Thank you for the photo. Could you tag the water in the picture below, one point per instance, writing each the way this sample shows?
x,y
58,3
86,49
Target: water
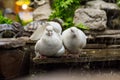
x,y
77,71
75,75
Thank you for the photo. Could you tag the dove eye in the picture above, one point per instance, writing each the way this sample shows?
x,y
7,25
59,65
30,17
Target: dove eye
x,y
72,30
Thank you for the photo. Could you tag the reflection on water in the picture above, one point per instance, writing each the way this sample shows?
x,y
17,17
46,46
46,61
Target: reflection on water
x,y
88,71
75,75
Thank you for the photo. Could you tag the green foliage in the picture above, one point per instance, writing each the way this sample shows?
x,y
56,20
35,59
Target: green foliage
x,y
65,9
83,27
22,21
4,20
118,3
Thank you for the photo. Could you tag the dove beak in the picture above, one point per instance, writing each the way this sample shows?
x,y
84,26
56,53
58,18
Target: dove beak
x,y
50,33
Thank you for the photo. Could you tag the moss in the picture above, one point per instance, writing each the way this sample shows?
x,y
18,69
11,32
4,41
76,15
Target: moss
x,y
5,20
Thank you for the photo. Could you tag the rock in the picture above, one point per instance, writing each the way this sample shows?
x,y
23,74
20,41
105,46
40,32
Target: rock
x,y
11,30
92,55
18,29
95,46
112,12
111,1
14,58
113,18
11,63
113,46
8,43
106,32
95,19
42,12
37,3
115,23
37,34
116,36
100,4
32,26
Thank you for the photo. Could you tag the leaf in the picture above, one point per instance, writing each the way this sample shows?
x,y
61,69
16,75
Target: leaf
x,y
64,9
82,26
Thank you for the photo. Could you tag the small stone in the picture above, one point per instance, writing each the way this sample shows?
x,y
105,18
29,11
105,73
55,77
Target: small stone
x,y
95,19
100,4
42,12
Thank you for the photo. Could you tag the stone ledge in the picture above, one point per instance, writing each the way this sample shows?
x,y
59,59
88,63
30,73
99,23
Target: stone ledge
x,y
96,46
6,43
106,32
90,56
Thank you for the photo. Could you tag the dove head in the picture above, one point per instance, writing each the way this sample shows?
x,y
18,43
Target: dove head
x,y
49,30
73,31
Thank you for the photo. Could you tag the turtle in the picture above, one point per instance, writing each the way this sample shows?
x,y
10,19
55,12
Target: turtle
x,y
32,26
11,30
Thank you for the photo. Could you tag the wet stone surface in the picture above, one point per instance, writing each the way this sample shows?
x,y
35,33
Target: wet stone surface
x,y
15,56
75,71
13,59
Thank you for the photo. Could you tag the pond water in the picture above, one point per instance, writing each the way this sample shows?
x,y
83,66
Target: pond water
x,y
96,70
75,75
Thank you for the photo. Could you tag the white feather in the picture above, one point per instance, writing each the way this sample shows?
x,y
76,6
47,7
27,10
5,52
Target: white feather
x,y
74,39
57,27
40,30
50,44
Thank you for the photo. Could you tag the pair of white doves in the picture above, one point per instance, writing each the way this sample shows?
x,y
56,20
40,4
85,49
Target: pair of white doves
x,y
51,40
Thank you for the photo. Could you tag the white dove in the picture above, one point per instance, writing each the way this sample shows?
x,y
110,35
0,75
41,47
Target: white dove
x,y
74,39
37,34
57,27
50,44
40,30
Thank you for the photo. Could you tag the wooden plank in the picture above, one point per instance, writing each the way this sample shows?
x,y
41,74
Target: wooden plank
x,y
117,36
90,56
95,46
6,43
106,32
